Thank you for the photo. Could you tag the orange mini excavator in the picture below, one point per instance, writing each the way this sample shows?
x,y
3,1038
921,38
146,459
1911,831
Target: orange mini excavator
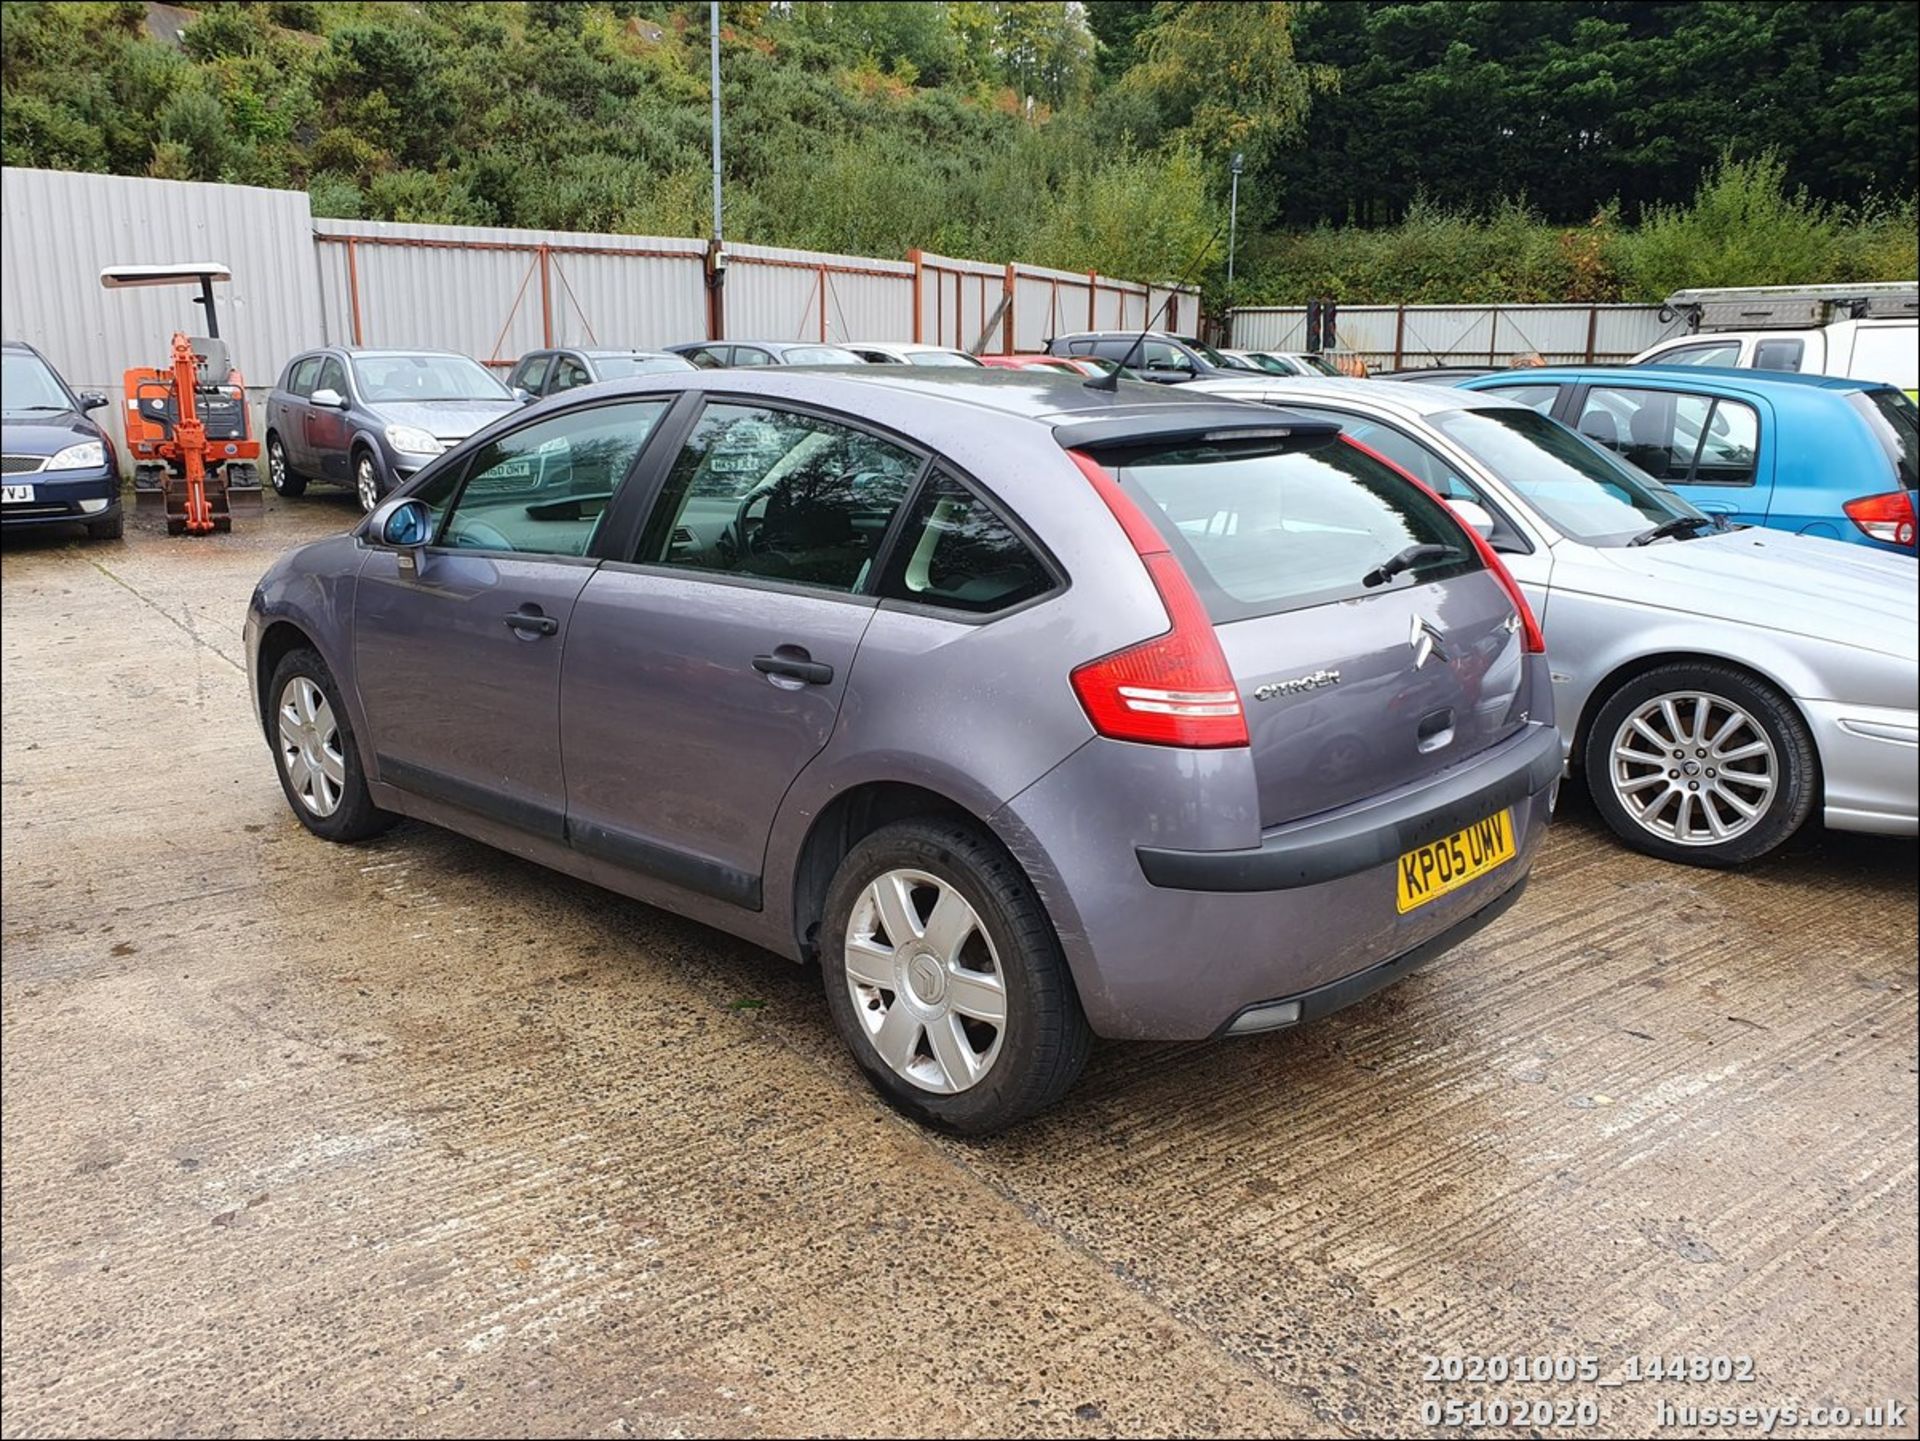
x,y
187,424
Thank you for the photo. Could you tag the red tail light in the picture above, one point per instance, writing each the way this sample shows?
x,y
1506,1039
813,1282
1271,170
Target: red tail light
x,y
1173,690
1886,517
1536,640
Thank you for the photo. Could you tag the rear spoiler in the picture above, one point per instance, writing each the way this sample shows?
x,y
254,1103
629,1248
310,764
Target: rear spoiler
x,y
1162,426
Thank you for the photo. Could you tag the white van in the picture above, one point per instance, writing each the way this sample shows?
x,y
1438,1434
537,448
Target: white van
x,y
1863,332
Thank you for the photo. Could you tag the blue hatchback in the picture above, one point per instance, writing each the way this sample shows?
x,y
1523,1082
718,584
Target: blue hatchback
x,y
1809,453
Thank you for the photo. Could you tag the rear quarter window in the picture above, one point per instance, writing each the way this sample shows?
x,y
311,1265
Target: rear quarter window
x,y
1261,531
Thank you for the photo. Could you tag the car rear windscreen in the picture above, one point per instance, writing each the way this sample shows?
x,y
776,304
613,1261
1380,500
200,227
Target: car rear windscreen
x,y
1896,425
1261,530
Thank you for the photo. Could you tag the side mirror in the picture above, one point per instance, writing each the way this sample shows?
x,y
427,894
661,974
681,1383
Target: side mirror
x,y
523,395
403,524
331,399
91,400
1478,518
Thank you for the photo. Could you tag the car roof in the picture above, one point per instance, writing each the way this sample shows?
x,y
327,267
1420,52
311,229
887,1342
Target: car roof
x,y
371,351
1790,380
1056,400
1411,399
609,351
1120,335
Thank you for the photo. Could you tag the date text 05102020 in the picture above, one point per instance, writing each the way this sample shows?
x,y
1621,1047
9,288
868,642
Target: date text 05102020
x,y
1629,1371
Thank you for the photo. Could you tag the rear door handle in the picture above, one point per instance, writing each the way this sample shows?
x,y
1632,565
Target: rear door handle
x,y
531,622
813,672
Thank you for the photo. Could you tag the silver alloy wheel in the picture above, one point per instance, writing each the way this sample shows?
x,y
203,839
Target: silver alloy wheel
x,y
277,465
926,982
366,481
310,746
1694,769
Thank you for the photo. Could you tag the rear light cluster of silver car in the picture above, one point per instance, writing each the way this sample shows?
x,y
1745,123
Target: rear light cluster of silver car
x,y
1172,690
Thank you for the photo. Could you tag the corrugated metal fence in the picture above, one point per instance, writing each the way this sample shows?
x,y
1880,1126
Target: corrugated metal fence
x,y
1398,337
491,293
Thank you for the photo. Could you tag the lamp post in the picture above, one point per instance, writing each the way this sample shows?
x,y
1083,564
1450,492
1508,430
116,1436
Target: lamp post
x,y
1233,211
713,41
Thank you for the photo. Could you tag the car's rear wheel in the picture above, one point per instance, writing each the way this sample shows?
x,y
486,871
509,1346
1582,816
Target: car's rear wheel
x,y
366,479
313,743
1701,763
946,981
280,475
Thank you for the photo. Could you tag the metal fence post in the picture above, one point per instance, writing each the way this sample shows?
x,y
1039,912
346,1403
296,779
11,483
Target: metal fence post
x,y
1593,330
546,299
1400,337
353,289
917,259
1006,319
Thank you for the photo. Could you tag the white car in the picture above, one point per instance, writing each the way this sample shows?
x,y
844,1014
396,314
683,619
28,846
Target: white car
x,y
1715,686
904,352
1880,342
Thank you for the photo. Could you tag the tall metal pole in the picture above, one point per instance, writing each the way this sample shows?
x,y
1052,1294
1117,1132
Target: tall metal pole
x,y
713,41
1233,214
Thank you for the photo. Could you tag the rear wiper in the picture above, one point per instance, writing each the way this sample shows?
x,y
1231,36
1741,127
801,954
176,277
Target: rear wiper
x,y
1680,525
1407,559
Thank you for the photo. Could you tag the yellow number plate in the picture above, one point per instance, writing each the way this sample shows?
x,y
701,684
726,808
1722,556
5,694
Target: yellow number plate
x,y
1446,865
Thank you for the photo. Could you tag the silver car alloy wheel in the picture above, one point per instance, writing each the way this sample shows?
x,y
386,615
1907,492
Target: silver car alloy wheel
x,y
277,466
1694,769
926,982
310,746
366,481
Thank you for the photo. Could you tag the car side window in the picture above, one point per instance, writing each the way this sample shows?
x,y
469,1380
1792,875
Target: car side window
x,y
1719,352
300,377
1158,355
567,373
1778,354
956,551
529,373
708,357
750,355
1729,446
543,488
1539,397
778,495
1675,437
333,376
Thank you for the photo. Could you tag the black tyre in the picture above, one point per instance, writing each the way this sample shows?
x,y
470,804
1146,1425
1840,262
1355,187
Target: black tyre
x,y
114,527
280,475
1701,763
315,754
945,979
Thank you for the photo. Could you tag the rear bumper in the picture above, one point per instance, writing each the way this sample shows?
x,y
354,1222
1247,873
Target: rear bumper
x,y
1309,914
1297,1010
1359,839
1869,766
57,498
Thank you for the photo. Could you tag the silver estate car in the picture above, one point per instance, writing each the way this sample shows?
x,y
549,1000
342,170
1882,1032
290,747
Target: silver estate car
x,y
1716,686
1031,711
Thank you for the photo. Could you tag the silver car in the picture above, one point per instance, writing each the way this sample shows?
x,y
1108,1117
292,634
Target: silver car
x,y
1030,710
1716,686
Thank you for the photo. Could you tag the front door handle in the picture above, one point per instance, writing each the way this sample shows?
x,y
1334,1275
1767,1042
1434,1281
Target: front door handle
x,y
813,672
530,622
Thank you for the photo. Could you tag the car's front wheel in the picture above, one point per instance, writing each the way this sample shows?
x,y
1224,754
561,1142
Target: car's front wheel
x,y
946,981
318,762
282,476
367,482
1701,763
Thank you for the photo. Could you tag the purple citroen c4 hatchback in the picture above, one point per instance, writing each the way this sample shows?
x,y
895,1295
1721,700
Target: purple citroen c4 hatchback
x,y
1033,712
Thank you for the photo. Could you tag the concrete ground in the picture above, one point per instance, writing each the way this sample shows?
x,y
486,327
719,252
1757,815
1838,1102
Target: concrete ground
x,y
416,1139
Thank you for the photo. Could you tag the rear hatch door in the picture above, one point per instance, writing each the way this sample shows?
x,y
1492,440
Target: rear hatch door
x,y
1355,682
